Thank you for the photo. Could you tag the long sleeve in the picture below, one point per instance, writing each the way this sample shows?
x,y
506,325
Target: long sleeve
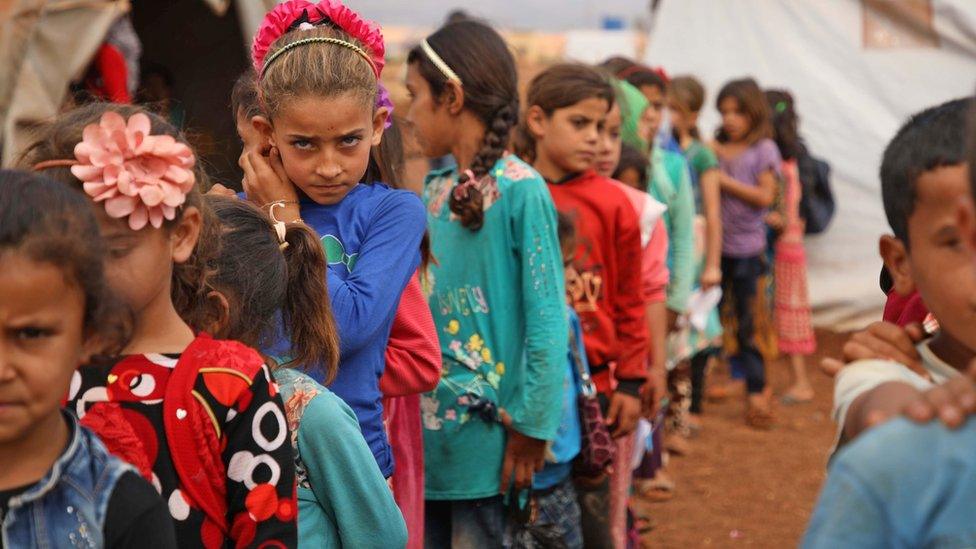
x,y
628,306
681,212
413,353
387,259
246,448
345,478
655,265
543,294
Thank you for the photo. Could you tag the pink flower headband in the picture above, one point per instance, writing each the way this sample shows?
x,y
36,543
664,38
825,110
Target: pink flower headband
x,y
303,14
137,175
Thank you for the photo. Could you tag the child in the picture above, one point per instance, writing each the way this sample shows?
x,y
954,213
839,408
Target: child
x,y
265,267
413,358
567,105
558,523
904,485
55,311
199,418
633,168
685,99
496,291
318,68
793,327
750,165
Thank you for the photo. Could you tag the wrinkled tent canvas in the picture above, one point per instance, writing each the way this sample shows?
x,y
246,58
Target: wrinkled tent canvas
x,y
857,69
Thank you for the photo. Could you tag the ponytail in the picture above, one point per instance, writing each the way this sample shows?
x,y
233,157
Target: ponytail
x,y
306,311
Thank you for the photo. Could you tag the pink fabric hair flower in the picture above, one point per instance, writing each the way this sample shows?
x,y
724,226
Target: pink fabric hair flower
x,y
137,175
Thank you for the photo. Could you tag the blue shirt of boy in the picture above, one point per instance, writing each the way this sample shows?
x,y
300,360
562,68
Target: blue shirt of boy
x,y
900,485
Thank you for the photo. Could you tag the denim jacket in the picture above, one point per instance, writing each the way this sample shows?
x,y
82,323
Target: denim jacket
x,y
67,507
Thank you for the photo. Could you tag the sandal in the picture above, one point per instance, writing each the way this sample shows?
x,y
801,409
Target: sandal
x,y
657,489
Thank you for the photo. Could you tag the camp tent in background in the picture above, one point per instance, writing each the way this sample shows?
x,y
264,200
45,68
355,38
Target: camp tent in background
x,y
200,45
858,69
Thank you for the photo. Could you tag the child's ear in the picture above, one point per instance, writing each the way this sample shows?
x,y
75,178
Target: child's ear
x,y
264,127
535,121
895,258
219,320
379,124
185,235
453,95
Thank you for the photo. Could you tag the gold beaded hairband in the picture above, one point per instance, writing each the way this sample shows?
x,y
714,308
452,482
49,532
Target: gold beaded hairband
x,y
440,64
321,40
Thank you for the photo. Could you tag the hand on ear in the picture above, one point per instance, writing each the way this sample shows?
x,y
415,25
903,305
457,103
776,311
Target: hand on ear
x,y
895,257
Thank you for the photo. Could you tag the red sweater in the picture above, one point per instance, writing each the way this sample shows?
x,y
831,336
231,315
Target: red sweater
x,y
413,353
604,281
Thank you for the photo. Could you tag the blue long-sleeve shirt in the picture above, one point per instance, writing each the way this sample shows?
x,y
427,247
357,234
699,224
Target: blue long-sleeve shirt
x,y
372,244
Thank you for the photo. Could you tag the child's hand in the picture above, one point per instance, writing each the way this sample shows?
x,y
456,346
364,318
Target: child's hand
x,y
672,321
623,413
219,190
711,276
265,181
775,221
524,456
884,341
653,391
952,402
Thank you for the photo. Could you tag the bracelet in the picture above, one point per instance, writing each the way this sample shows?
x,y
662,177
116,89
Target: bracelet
x,y
278,202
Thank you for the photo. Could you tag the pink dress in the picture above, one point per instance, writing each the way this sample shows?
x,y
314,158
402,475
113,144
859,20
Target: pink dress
x,y
792,298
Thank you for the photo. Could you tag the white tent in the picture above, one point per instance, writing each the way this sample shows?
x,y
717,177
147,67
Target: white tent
x,y
857,69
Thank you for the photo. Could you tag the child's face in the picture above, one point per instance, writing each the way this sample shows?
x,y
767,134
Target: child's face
x,y
570,137
139,264
630,177
41,343
325,143
681,120
429,117
734,120
939,263
651,120
608,153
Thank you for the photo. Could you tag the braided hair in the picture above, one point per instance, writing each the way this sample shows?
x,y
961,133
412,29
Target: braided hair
x,y
485,66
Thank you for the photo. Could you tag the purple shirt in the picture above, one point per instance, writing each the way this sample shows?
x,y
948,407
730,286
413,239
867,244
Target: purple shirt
x,y
743,228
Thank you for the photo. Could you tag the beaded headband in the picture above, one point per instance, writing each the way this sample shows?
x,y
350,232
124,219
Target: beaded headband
x,y
439,63
322,40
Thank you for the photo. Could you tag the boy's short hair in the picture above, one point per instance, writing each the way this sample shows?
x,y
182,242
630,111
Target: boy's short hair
x,y
632,159
244,97
933,138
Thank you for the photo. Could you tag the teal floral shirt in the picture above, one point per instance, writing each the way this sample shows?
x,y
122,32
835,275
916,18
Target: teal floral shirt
x,y
497,297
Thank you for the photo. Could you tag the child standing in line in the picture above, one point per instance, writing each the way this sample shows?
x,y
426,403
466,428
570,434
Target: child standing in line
x,y
264,267
793,327
567,106
318,68
750,165
199,418
685,99
496,292
55,311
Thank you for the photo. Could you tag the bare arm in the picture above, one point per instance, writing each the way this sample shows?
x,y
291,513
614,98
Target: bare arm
x,y
758,196
711,190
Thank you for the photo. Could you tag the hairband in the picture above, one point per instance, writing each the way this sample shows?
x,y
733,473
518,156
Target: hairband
x,y
279,226
137,175
322,40
439,63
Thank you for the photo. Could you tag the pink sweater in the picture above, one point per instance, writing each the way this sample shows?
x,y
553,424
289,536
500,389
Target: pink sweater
x,y
654,242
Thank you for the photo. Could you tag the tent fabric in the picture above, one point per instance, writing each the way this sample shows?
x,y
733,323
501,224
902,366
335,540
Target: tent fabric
x,y
857,69
56,46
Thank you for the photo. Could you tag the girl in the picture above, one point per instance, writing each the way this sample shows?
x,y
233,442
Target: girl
x,y
750,165
318,68
796,337
55,311
199,418
567,106
685,99
496,292
265,267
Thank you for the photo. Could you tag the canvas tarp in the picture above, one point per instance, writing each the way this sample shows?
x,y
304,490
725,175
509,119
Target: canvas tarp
x,y
857,69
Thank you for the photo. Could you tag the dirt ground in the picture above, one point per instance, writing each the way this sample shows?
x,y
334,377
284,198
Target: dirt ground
x,y
739,487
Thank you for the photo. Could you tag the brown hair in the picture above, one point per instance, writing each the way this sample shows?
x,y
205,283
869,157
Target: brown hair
x,y
689,94
244,96
558,87
53,223
752,102
57,140
261,278
481,59
316,69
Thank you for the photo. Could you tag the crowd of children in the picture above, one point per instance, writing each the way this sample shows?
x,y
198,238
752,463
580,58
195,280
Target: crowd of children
x,y
326,359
